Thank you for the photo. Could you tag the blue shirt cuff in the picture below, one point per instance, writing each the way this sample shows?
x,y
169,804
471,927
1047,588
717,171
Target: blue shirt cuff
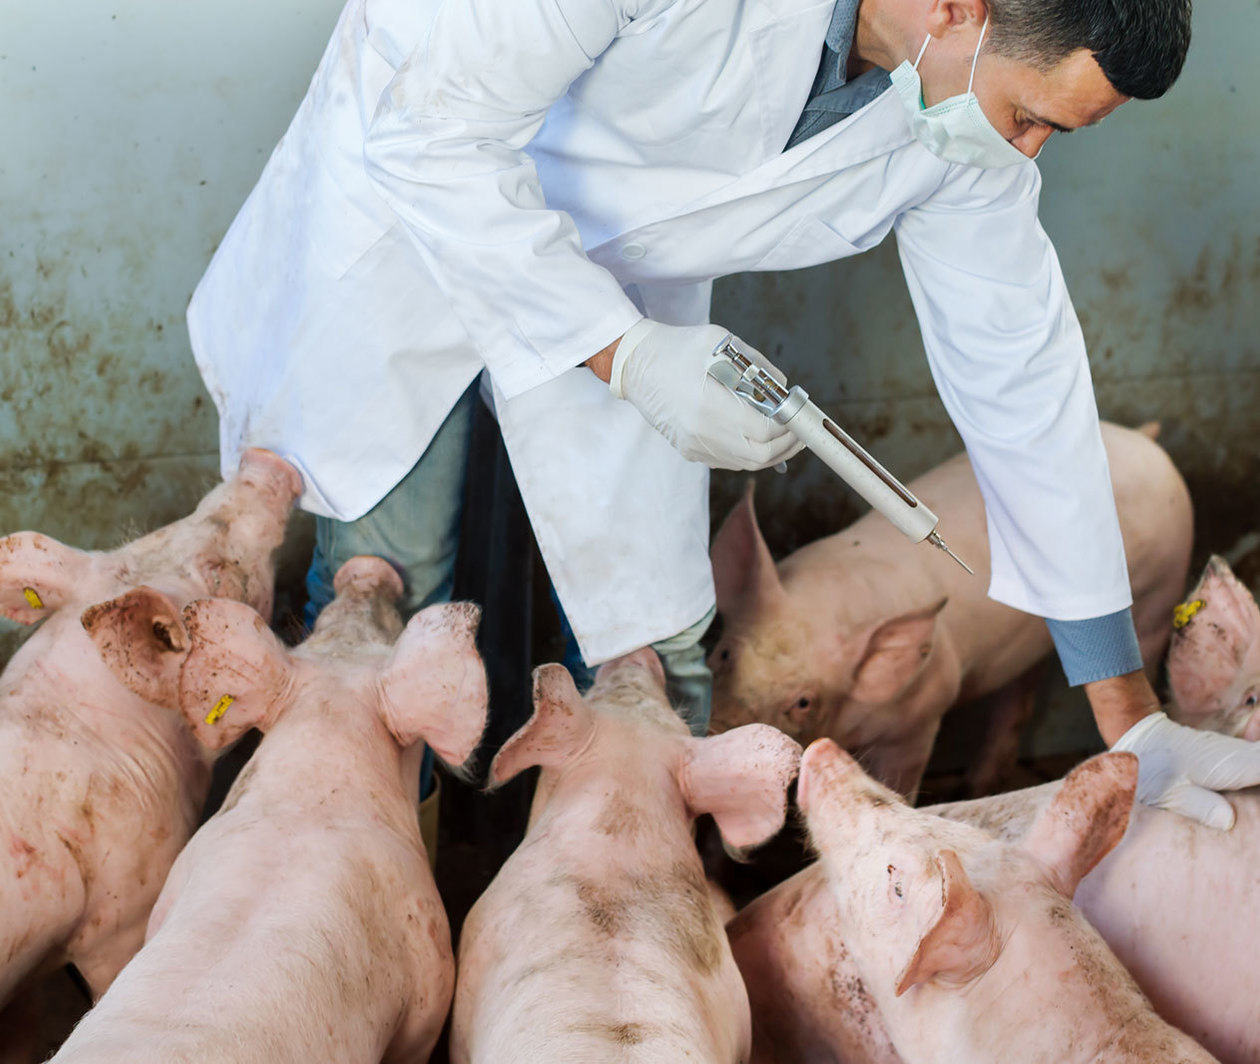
x,y
1097,648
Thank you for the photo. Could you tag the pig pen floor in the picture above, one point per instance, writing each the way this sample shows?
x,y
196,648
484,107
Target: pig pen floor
x,y
32,1027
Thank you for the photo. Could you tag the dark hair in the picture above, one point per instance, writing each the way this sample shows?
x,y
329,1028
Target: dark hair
x,y
1140,44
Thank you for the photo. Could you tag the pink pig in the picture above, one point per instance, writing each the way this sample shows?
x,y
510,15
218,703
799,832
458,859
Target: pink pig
x,y
1214,658
968,945
102,788
865,639
1174,901
302,923
599,941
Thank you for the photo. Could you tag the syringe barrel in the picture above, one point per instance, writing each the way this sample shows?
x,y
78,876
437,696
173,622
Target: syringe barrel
x,y
867,477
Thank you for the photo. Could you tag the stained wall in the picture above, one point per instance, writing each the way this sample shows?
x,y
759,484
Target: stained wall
x,y
133,131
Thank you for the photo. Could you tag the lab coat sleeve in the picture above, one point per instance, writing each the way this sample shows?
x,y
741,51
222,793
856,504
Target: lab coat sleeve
x,y
1008,357
446,150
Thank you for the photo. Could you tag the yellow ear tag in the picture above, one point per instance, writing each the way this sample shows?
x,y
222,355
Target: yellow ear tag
x,y
32,598
220,707
1183,614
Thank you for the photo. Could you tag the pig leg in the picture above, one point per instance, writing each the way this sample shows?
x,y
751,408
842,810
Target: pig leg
x,y
900,764
1010,709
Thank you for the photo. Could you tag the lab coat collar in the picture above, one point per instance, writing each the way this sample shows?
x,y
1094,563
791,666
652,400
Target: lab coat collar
x,y
877,129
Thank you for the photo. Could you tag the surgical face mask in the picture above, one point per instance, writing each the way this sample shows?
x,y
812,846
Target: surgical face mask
x,y
955,129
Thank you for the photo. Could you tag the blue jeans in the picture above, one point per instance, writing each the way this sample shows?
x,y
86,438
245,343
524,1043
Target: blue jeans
x,y
416,529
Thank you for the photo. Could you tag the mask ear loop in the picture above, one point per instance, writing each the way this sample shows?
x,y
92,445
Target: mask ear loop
x,y
926,41
975,58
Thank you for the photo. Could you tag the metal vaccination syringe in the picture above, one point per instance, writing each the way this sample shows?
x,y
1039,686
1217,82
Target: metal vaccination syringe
x,y
792,408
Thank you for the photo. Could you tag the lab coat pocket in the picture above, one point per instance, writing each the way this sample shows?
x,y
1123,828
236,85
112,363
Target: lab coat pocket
x,y
809,242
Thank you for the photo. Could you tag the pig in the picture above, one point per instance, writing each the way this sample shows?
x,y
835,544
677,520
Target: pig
x,y
102,787
967,944
301,923
1174,901
599,941
868,640
1214,657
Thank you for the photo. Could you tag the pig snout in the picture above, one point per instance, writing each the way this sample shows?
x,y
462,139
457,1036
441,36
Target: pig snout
x,y
368,575
645,659
827,773
269,473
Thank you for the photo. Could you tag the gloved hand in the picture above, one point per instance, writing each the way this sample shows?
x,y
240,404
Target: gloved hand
x,y
1181,768
663,371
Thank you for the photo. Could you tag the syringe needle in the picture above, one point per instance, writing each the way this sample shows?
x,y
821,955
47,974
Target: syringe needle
x,y
934,538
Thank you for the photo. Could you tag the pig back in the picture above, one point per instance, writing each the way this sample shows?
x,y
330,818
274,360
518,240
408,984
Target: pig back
x,y
1176,901
868,574
285,933
102,791
808,1001
596,952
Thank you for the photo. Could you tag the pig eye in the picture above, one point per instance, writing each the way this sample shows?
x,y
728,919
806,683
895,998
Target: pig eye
x,y
802,703
1250,700
724,654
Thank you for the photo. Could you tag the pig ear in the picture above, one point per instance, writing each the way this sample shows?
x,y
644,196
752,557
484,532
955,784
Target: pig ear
x,y
743,571
741,778
141,637
1086,820
895,654
1212,631
237,674
962,941
434,686
561,726
37,575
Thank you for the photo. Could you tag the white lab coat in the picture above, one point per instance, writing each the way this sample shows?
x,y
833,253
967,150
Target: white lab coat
x,y
510,184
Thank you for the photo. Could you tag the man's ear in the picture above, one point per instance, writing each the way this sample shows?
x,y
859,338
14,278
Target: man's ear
x,y
895,655
434,685
961,941
741,778
237,674
744,574
561,727
1086,820
37,575
141,637
947,15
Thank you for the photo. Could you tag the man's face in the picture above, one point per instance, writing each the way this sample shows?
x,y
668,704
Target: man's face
x,y
1025,105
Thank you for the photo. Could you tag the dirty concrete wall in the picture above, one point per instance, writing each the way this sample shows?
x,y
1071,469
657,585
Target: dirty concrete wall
x,y
132,132
1157,224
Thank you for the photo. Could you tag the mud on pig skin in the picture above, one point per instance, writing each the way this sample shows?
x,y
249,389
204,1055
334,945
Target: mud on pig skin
x,y
1175,901
599,941
302,923
102,787
1214,659
866,639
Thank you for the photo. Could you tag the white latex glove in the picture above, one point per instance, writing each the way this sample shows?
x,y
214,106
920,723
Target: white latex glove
x,y
1181,768
663,371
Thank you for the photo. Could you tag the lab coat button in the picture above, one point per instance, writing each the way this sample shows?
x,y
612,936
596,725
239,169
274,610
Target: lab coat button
x,y
633,251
